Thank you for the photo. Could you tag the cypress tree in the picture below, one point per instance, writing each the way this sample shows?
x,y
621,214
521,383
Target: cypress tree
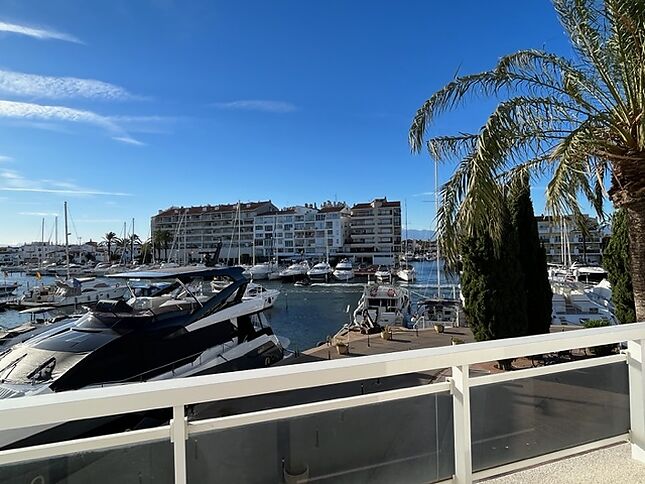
x,y
532,259
617,263
490,278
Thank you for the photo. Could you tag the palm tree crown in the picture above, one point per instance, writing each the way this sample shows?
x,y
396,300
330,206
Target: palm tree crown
x,y
580,121
110,238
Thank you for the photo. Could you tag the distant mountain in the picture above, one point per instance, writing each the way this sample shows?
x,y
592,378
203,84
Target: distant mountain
x,y
418,234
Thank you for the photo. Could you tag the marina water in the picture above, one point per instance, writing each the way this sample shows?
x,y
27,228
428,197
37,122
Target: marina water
x,y
304,315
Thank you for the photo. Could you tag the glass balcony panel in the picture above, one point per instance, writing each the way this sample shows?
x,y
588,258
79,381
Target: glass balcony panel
x,y
525,418
151,462
408,440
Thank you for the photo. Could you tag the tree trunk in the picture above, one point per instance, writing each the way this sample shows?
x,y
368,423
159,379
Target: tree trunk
x,y
636,215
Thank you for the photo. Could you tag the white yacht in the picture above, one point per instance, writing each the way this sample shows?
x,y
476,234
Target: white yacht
x,y
381,305
344,270
406,273
320,271
64,270
295,271
256,291
407,257
574,304
383,274
8,288
263,270
71,292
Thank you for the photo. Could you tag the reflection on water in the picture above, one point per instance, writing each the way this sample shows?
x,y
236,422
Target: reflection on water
x,y
305,315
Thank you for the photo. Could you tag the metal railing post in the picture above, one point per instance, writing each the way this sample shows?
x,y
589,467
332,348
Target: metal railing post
x,y
178,436
635,360
461,424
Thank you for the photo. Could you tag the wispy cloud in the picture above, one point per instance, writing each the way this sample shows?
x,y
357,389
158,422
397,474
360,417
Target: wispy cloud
x,y
146,124
65,192
40,214
4,159
50,87
20,110
98,220
257,105
37,32
128,140
39,112
13,181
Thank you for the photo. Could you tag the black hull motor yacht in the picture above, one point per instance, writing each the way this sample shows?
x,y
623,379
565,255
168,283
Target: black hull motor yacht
x,y
184,330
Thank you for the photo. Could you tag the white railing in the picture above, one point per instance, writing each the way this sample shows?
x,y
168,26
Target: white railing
x,y
176,394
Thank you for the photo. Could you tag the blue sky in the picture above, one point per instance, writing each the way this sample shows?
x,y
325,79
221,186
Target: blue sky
x,y
123,108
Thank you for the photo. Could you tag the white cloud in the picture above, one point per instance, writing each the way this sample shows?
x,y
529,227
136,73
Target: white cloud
x,y
65,192
50,87
12,181
39,112
40,214
129,141
258,105
146,124
37,33
4,158
12,109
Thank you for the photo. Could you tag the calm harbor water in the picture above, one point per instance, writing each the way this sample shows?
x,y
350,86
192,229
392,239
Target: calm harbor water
x,y
304,315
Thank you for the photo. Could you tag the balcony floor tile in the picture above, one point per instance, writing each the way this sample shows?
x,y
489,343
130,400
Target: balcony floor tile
x,y
611,465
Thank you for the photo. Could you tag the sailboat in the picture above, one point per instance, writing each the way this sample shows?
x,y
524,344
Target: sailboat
x,y
437,310
71,291
406,272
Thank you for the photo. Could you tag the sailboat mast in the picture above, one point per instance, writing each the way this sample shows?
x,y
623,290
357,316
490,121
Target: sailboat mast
x,y
42,241
56,229
132,243
253,262
239,233
66,242
405,249
436,218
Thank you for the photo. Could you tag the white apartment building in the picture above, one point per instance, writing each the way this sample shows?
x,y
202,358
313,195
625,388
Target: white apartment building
x,y
302,231
10,255
36,252
198,231
375,232
565,242
368,232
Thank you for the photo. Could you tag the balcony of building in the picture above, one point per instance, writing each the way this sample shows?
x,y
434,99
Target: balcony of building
x,y
424,415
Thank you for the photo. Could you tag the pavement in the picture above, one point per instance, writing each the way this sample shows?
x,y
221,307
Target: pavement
x,y
402,340
610,465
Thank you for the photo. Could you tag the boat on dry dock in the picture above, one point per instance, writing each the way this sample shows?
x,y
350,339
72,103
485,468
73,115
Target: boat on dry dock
x,y
381,305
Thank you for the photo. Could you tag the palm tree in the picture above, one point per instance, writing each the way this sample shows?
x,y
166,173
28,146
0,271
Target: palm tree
x,y
109,238
579,121
161,239
146,251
